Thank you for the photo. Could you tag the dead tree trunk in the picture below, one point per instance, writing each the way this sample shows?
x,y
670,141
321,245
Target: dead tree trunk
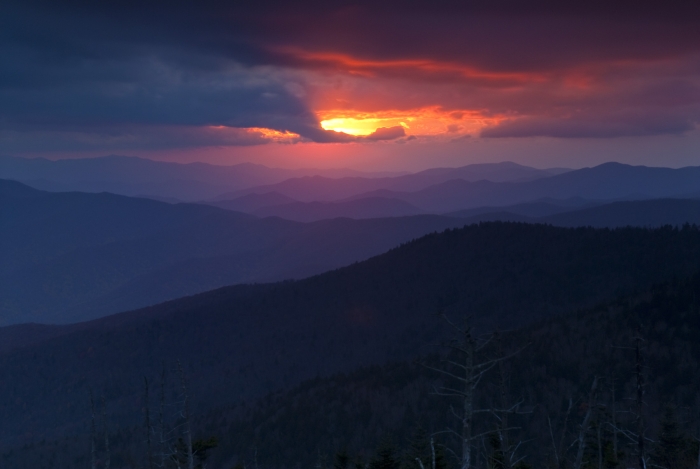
x,y
186,416
639,401
600,448
468,375
108,459
93,434
161,418
613,412
468,398
585,424
507,408
559,448
147,424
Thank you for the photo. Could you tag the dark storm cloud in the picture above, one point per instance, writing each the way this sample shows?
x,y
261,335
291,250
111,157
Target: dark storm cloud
x,y
106,68
128,137
387,133
82,70
495,35
590,126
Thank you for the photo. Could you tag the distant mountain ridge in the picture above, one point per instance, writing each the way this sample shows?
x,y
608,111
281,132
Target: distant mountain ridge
x,y
606,182
323,189
643,213
251,202
72,256
450,191
139,176
370,207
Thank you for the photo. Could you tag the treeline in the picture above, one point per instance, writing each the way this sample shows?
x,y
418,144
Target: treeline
x,y
559,419
386,416
239,342
243,342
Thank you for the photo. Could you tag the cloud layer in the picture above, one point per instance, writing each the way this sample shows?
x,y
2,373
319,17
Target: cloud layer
x,y
160,75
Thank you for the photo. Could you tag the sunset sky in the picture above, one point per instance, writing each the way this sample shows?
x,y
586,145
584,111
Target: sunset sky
x,y
368,84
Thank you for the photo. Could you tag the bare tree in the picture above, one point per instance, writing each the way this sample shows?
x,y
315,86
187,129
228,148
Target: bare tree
x,y
581,442
507,408
638,437
108,458
558,448
613,415
93,434
186,415
147,423
639,403
469,373
161,418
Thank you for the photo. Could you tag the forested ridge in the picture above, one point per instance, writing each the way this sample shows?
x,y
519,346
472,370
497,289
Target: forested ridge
x,y
356,411
238,344
393,407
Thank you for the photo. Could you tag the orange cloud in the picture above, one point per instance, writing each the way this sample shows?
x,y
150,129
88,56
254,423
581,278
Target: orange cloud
x,y
256,134
423,122
387,133
426,67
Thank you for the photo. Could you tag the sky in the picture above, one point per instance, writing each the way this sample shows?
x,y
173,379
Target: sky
x,y
401,85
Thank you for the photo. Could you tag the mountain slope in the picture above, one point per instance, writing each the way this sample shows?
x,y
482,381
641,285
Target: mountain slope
x,y
371,207
138,176
656,212
642,213
72,256
565,354
539,208
318,188
355,411
610,181
245,341
251,202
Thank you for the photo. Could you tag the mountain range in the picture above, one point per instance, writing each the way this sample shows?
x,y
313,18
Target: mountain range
x,y
245,341
147,178
314,198
609,181
72,256
319,188
296,310
77,256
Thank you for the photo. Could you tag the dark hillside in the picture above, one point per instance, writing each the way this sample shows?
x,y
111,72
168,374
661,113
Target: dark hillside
x,y
372,207
73,256
610,181
355,411
642,213
245,341
649,213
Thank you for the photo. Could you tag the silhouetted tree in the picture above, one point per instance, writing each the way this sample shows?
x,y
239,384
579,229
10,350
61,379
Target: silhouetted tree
x,y
672,449
468,372
341,460
385,456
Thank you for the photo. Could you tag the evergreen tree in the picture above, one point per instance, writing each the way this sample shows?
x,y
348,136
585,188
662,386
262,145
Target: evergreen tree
x,y
496,458
201,449
440,457
385,456
342,460
672,450
419,449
